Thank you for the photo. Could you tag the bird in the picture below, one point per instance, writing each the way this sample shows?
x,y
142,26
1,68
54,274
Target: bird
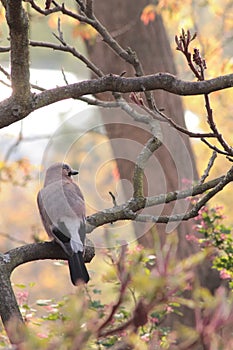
x,y
62,209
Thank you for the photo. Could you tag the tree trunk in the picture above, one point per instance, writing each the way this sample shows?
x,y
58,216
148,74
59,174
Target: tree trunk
x,y
9,310
174,161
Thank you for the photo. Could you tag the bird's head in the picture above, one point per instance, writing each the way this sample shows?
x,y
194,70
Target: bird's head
x,y
68,171
59,171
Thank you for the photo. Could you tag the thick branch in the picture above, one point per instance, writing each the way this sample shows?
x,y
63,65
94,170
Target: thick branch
x,y
9,310
18,24
152,145
162,81
41,251
11,111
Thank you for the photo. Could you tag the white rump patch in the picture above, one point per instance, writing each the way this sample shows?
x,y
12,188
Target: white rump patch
x,y
73,226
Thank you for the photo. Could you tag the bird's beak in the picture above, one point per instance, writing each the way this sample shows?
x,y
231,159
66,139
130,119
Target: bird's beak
x,y
74,172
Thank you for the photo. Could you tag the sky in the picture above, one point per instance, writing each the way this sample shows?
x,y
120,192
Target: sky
x,y
43,122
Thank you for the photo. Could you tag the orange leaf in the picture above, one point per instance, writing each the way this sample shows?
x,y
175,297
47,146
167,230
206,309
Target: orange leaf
x,y
148,14
85,31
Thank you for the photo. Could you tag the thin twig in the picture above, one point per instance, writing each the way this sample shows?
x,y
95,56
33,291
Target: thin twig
x,y
67,48
120,102
213,127
89,8
22,138
81,5
183,43
124,279
64,76
57,8
4,83
214,148
16,144
163,117
113,198
5,72
5,49
209,166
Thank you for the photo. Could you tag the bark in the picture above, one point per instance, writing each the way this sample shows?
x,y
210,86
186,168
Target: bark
x,y
9,310
17,21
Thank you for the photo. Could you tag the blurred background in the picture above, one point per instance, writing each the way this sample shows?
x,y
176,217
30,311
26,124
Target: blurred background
x,y
73,132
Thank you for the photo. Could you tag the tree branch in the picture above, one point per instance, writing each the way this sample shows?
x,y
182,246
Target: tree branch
x,y
189,192
41,251
5,49
11,112
71,50
162,81
9,310
157,114
214,128
214,148
18,24
208,168
57,8
147,151
195,209
128,210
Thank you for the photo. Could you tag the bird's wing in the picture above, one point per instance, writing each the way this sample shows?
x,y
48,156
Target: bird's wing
x,y
43,214
75,199
76,222
54,230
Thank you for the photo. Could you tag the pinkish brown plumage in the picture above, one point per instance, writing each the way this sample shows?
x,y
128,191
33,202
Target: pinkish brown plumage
x,y
62,210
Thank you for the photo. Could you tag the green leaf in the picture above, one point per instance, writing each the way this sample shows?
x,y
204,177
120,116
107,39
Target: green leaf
x,y
20,285
96,291
52,317
96,304
32,284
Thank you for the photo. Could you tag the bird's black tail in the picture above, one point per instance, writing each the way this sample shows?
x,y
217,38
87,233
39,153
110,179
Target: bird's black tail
x,y
78,271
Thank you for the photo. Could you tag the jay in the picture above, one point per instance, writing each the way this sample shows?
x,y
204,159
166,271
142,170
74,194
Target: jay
x,y
62,210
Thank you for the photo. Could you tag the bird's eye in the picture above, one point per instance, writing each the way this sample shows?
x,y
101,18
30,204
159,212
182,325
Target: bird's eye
x,y
66,167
